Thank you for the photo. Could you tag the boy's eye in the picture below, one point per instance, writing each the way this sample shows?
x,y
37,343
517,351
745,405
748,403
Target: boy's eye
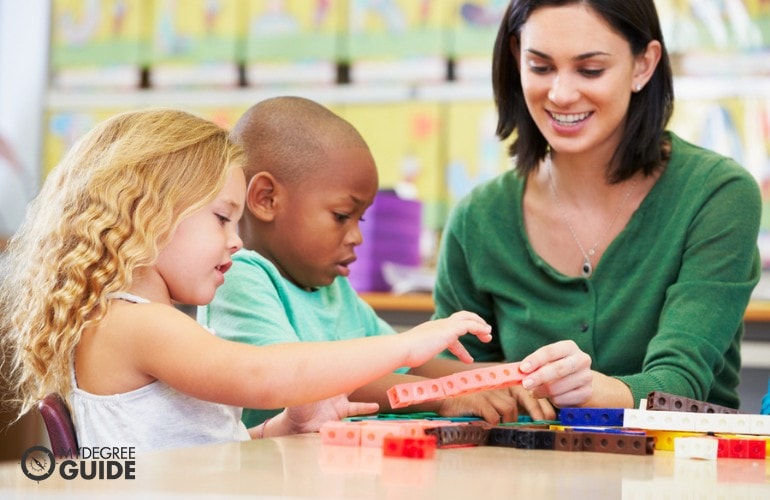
x,y
340,217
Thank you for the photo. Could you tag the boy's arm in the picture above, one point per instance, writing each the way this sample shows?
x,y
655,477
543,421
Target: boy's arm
x,y
309,417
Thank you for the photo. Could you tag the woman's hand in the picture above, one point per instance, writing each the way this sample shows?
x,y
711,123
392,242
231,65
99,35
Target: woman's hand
x,y
560,372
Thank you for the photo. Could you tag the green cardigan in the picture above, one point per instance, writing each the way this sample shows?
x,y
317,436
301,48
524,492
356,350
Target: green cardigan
x,y
664,308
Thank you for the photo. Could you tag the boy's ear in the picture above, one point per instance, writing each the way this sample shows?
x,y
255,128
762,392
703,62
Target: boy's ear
x,y
261,196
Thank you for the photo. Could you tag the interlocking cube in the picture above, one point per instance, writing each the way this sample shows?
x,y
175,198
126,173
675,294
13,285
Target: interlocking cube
x,y
409,447
735,447
481,379
660,420
722,422
341,433
592,416
704,447
374,435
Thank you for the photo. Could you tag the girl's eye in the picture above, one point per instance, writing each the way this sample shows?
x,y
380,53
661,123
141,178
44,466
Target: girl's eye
x,y
222,219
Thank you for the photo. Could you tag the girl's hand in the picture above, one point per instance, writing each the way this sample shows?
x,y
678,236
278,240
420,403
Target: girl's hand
x,y
560,372
432,337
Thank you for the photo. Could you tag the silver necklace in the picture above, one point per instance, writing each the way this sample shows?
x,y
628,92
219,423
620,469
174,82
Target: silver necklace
x,y
587,269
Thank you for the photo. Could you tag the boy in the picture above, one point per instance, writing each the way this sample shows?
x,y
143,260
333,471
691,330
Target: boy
x,y
310,179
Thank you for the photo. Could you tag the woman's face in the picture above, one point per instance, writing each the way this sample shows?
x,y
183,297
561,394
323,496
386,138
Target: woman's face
x,y
577,75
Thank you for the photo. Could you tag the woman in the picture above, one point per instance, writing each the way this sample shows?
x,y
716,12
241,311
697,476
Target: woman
x,y
615,258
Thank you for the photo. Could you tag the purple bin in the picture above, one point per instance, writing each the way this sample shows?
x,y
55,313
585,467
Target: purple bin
x,y
391,233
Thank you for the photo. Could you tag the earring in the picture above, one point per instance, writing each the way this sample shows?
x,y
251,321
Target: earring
x,y
638,87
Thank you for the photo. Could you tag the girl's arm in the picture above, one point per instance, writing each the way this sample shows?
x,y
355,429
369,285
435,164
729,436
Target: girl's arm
x,y
170,346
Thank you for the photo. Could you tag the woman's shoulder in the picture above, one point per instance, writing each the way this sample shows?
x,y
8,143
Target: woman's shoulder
x,y
702,162
696,169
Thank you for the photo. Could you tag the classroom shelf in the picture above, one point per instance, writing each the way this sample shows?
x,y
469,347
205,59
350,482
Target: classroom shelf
x,y
686,88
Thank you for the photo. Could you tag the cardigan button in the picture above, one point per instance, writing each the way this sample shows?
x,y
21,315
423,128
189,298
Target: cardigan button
x,y
584,327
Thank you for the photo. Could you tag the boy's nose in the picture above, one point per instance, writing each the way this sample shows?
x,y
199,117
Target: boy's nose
x,y
355,237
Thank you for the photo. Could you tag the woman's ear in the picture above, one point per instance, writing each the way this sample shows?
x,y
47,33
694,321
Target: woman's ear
x,y
645,64
261,196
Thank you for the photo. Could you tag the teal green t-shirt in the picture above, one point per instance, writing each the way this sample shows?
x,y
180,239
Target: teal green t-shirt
x,y
258,306
664,307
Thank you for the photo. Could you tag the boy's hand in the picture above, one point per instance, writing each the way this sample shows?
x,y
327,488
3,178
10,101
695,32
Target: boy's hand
x,y
433,337
309,417
498,405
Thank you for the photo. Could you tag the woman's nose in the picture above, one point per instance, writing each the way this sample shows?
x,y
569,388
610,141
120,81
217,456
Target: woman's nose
x,y
562,91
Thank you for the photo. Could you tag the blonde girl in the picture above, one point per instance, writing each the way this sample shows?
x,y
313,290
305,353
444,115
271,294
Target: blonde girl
x,y
141,214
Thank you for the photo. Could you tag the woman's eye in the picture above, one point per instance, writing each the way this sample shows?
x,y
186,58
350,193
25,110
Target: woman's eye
x,y
540,70
593,73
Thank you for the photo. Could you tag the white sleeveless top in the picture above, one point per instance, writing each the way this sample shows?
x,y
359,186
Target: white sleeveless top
x,y
152,417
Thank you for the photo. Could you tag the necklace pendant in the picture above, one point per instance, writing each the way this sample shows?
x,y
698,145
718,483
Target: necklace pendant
x,y
587,268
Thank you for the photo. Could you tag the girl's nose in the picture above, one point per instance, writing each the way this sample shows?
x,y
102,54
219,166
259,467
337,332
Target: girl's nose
x,y
235,242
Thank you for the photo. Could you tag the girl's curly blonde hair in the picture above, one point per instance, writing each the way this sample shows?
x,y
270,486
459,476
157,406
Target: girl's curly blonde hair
x,y
104,211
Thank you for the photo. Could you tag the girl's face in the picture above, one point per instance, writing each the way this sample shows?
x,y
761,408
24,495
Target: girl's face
x,y
577,75
317,230
194,262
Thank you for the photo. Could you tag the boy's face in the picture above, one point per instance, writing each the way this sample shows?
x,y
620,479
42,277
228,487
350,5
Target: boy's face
x,y
317,228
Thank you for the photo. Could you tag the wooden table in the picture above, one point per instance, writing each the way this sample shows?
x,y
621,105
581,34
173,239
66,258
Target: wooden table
x,y
300,466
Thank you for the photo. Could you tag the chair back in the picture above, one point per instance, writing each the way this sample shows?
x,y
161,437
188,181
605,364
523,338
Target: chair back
x,y
58,423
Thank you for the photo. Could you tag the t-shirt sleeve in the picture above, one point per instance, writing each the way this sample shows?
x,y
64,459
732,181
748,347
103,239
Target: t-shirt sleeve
x,y
247,308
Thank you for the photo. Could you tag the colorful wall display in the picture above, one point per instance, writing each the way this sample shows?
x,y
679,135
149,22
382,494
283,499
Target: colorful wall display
x,y
292,41
96,43
196,42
